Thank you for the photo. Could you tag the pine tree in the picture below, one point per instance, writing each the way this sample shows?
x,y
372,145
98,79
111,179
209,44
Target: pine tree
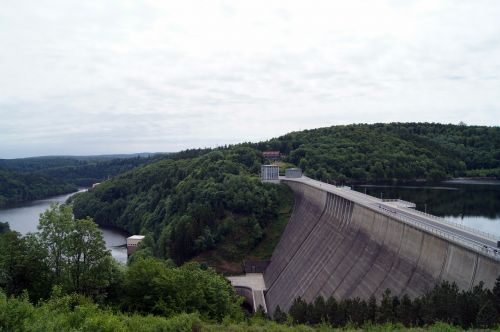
x,y
279,316
372,309
386,312
331,309
298,311
319,311
487,316
496,296
406,313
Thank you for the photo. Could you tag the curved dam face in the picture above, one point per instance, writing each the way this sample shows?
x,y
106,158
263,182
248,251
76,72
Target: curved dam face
x,y
335,247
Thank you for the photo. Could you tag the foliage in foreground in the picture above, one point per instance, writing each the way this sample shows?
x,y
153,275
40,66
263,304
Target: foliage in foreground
x,y
153,287
65,252
70,256
77,313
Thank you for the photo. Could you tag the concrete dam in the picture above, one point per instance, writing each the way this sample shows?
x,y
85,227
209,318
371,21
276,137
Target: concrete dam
x,y
342,243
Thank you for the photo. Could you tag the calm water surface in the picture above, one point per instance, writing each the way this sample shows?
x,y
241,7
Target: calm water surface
x,y
24,219
472,203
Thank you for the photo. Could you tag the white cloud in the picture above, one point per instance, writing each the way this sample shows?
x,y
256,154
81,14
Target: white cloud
x,y
124,76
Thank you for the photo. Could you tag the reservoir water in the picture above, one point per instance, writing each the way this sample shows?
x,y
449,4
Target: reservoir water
x,y
24,219
471,203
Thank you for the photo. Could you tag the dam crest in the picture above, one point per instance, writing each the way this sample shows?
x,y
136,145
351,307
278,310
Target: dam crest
x,y
345,244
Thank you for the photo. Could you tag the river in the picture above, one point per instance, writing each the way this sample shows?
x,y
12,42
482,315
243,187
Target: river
x,y
471,203
24,219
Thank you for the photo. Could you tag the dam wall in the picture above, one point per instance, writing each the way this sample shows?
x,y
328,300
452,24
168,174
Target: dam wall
x,y
333,246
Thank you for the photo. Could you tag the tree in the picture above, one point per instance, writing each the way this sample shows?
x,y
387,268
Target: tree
x,y
151,286
377,172
4,227
386,312
22,265
332,309
89,263
12,263
76,252
319,310
372,309
496,295
54,227
279,316
298,311
487,316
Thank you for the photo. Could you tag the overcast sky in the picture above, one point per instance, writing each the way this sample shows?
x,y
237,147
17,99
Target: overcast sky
x,y
117,76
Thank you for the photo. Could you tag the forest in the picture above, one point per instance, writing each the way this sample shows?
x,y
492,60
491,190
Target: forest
x,y
16,188
27,179
391,152
190,206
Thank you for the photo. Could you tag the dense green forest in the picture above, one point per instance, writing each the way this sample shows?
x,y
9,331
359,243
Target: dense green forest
x,y
79,171
62,278
394,151
28,179
211,201
16,188
190,206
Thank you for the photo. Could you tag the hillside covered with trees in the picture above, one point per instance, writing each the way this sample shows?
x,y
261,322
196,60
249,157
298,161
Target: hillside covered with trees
x,y
393,151
196,201
190,206
27,179
80,171
16,188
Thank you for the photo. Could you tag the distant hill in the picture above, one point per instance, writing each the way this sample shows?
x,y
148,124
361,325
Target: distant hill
x,y
38,163
16,188
394,151
80,171
96,157
26,179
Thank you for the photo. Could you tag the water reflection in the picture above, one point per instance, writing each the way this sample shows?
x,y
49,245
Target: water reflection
x,y
471,203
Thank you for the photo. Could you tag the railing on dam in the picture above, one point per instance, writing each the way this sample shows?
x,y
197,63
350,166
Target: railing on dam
x,y
378,205
479,248
439,219
401,202
468,229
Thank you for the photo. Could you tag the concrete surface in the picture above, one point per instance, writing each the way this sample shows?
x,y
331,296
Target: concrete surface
x,y
342,243
252,287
